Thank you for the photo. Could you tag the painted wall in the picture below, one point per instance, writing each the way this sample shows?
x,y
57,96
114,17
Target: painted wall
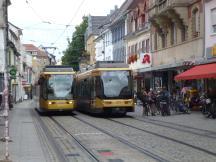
x,y
108,45
210,37
2,56
90,47
99,45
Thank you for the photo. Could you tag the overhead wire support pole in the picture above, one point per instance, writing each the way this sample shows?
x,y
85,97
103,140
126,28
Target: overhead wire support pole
x,y
6,138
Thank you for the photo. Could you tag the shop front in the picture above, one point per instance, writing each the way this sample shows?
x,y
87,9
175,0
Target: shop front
x,y
204,75
137,62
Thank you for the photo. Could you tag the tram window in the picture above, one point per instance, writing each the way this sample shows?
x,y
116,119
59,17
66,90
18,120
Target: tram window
x,y
92,86
98,87
43,89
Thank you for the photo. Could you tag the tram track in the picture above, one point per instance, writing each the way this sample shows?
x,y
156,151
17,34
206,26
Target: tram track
x,y
177,150
57,147
165,137
126,142
42,129
181,128
78,142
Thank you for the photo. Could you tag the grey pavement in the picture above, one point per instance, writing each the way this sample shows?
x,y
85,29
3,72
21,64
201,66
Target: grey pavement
x,y
25,145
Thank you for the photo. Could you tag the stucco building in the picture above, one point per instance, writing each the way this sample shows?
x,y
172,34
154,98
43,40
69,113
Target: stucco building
x,y
177,38
137,42
91,33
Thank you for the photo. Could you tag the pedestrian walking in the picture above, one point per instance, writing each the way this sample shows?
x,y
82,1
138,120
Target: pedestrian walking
x,y
164,101
145,102
152,102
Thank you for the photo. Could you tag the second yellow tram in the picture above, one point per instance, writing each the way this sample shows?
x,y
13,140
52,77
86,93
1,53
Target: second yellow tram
x,y
106,88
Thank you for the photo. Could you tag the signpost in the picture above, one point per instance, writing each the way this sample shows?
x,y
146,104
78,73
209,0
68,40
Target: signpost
x,y
6,138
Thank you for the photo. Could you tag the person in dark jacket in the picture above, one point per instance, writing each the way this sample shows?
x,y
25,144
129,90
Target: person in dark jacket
x,y
145,102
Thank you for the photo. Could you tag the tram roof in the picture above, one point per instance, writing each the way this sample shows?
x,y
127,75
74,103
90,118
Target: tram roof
x,y
96,72
105,64
58,68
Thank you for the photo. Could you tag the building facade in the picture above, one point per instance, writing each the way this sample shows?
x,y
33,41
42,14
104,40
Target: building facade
x,y
137,42
210,38
210,30
15,61
91,34
34,60
177,38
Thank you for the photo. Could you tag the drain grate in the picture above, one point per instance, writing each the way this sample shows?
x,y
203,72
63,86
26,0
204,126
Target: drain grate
x,y
72,155
115,160
26,122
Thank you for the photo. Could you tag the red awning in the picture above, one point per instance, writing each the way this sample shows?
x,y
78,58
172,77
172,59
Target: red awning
x,y
198,72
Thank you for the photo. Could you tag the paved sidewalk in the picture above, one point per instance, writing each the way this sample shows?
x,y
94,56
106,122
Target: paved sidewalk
x,y
25,145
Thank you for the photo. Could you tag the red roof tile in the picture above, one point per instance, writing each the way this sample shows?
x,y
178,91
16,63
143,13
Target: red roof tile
x,y
30,47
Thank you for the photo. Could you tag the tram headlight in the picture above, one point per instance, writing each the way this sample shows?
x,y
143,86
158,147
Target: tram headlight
x,y
50,103
70,102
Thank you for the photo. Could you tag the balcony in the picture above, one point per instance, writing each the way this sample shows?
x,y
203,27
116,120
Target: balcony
x,y
161,5
163,20
143,27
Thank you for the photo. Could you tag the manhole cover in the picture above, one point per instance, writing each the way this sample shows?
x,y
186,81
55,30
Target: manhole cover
x,y
72,155
115,160
26,122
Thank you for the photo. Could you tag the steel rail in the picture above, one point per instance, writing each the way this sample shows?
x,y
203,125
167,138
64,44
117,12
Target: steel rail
x,y
55,146
165,137
89,152
126,142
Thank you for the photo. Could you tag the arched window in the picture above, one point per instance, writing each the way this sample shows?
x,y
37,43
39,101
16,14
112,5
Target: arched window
x,y
164,40
155,41
183,33
195,22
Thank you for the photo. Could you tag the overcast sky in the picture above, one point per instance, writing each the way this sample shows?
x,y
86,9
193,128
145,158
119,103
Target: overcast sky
x,y
44,21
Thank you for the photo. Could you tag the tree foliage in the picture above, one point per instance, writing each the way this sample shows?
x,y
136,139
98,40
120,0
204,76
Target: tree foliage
x,y
76,47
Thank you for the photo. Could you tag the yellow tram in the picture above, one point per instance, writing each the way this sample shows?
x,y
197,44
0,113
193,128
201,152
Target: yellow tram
x,y
107,87
54,91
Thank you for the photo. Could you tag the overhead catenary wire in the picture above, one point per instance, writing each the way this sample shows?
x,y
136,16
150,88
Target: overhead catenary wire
x,y
43,20
27,2
69,22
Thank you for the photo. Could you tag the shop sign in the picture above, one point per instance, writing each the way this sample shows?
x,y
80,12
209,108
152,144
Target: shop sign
x,y
146,58
132,58
13,72
188,63
139,61
214,51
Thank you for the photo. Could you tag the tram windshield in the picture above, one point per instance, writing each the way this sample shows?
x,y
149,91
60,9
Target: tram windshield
x,y
59,86
116,84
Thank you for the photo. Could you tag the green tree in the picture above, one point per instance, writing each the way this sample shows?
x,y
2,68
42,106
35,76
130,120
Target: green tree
x,y
76,47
